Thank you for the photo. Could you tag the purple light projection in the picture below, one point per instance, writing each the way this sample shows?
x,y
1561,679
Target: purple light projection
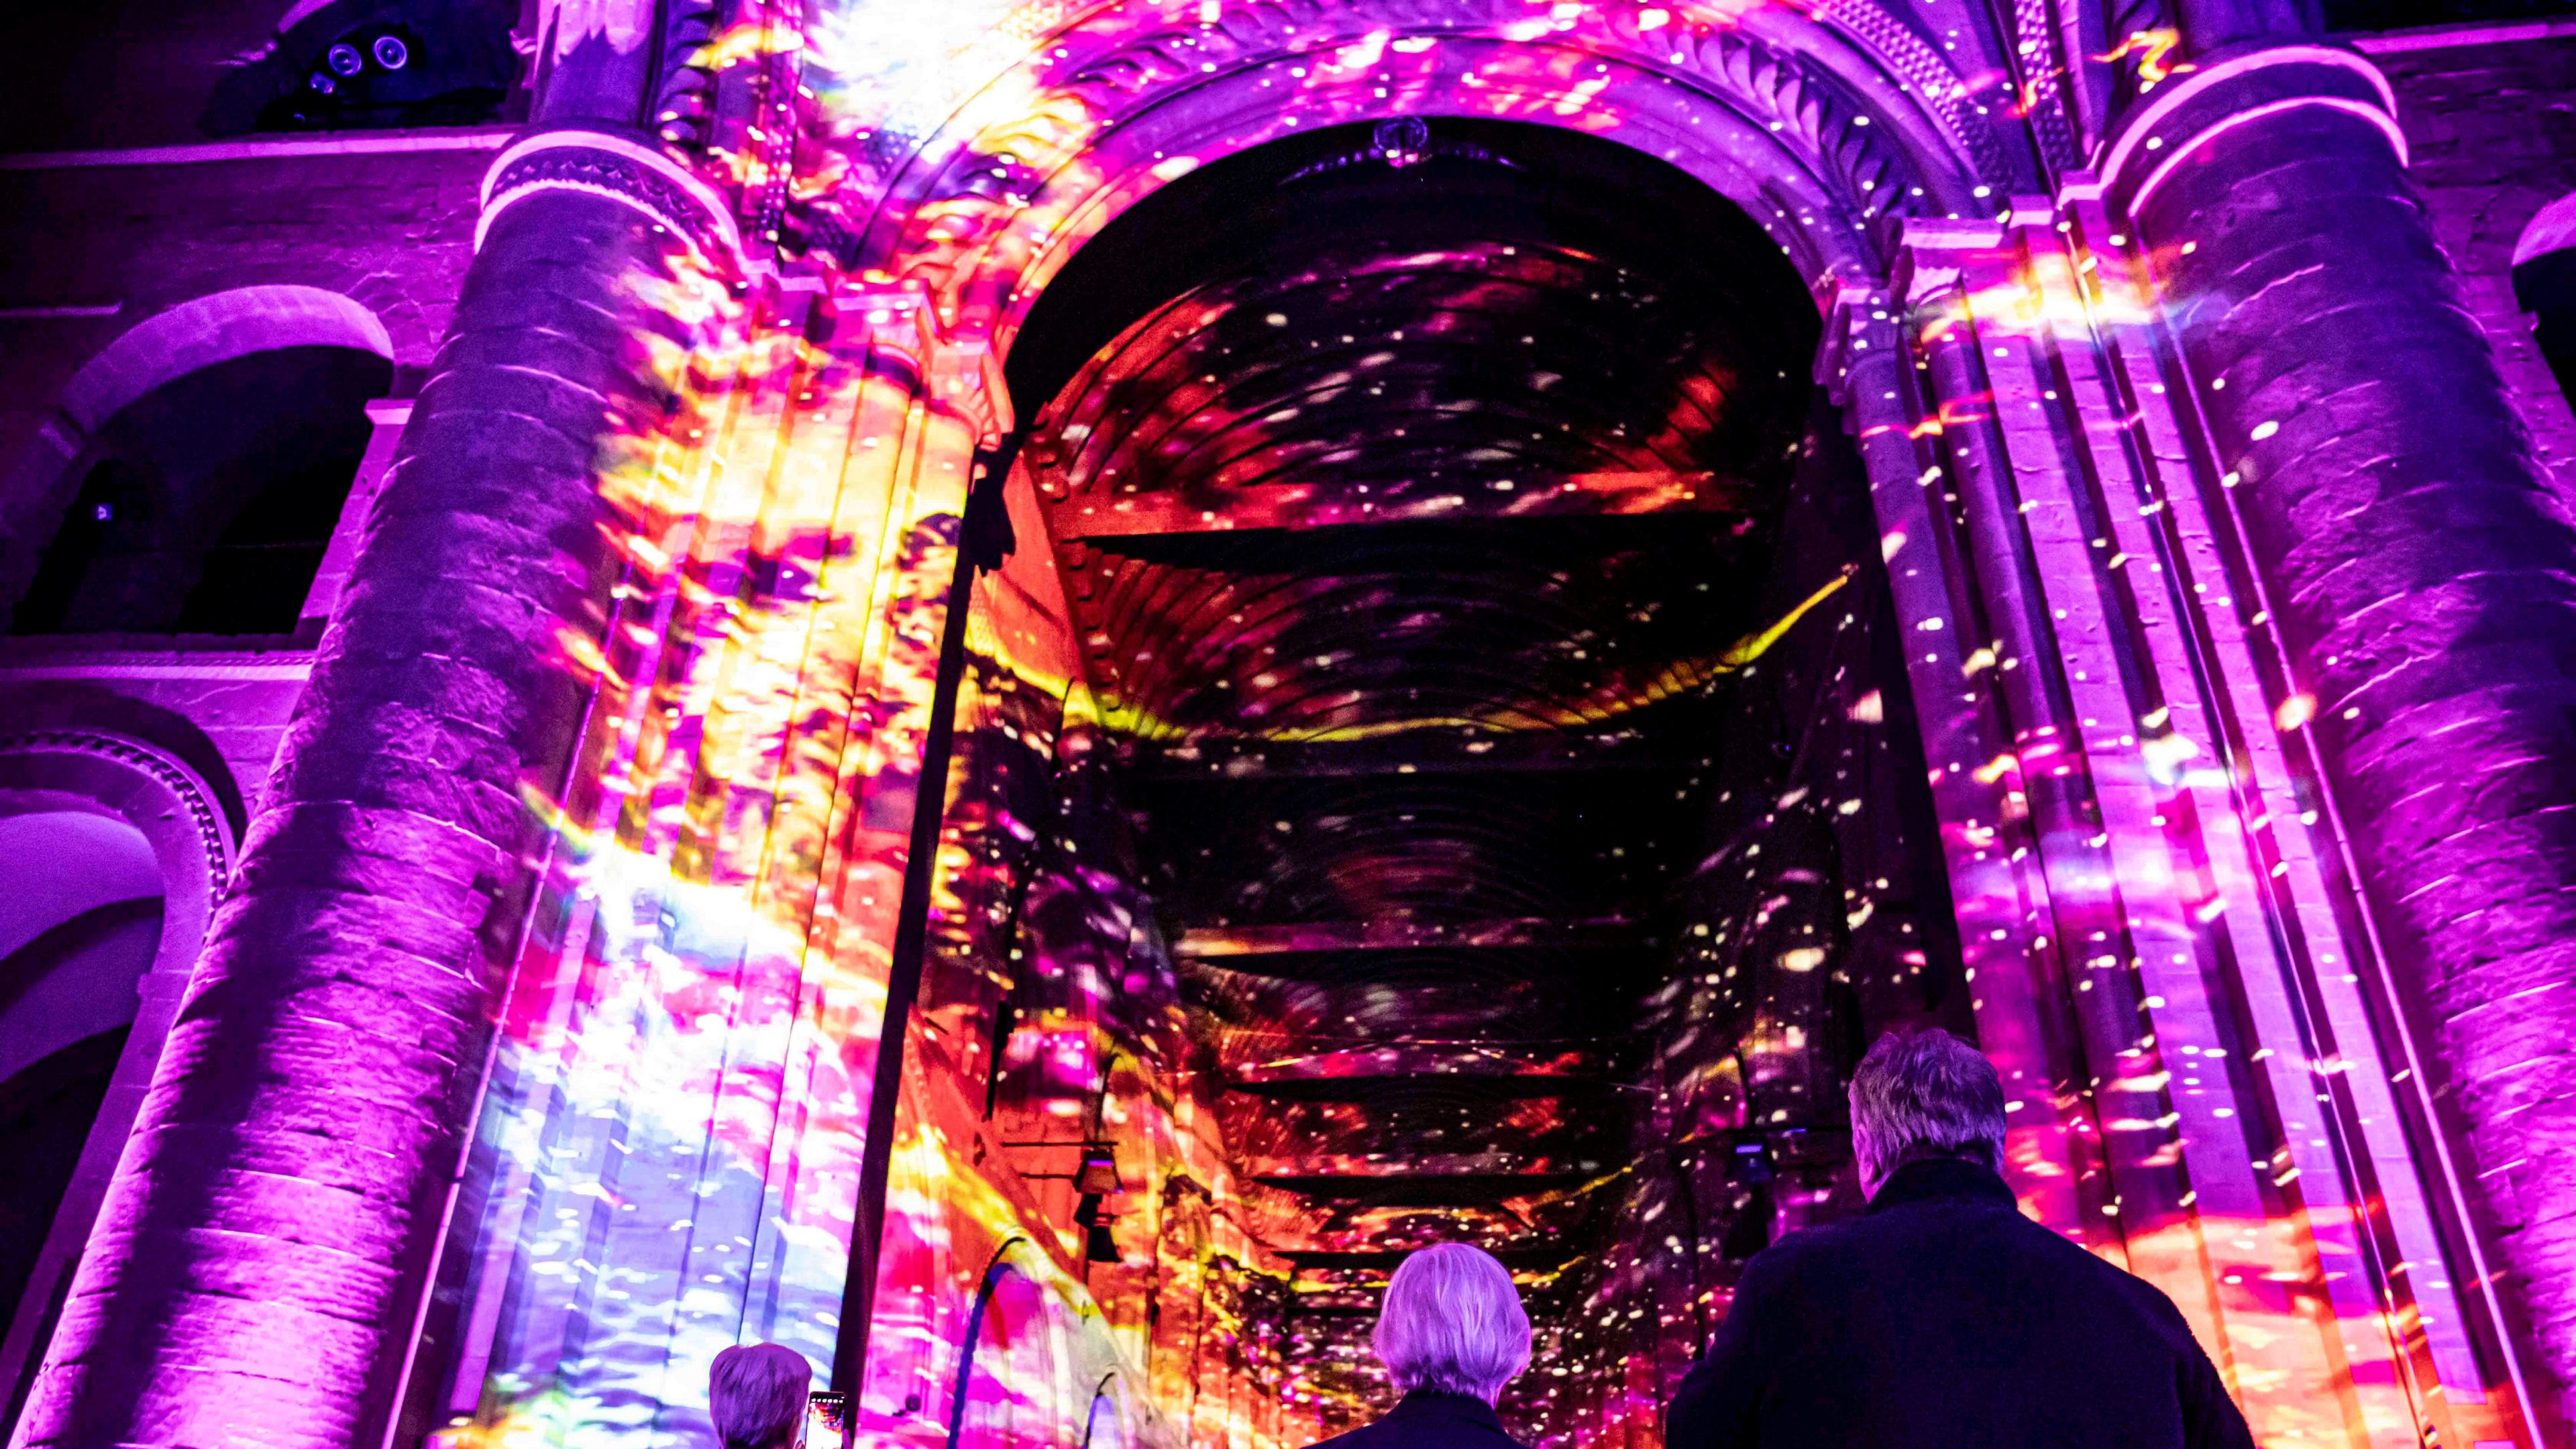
x,y
2055,594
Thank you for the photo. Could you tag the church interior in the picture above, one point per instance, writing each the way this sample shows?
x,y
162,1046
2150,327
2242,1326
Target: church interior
x,y
1009,691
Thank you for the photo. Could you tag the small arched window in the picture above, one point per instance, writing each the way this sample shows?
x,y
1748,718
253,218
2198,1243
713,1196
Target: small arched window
x,y
223,436
2544,285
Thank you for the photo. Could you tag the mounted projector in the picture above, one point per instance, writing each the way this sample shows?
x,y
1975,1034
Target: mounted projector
x,y
341,64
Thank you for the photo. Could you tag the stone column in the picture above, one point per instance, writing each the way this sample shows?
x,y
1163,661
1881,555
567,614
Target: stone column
x,y
258,1265
2418,569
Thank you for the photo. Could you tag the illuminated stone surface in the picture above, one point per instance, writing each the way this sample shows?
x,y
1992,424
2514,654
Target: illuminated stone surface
x,y
1461,741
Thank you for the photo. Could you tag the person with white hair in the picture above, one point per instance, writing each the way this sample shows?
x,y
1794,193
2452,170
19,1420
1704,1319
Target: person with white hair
x,y
1942,1316
756,1395
1451,1333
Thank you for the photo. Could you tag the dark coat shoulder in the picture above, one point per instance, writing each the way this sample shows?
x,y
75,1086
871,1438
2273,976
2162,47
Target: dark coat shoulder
x,y
1945,1317
1429,1419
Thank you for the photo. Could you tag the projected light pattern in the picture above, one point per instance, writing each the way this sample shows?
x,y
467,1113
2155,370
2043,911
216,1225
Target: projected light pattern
x,y
669,1157
672,1124
1441,760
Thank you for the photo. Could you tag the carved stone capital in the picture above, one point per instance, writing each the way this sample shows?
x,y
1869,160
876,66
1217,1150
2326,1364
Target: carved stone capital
x,y
628,172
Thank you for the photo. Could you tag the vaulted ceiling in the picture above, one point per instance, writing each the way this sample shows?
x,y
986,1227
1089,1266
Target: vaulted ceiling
x,y
1410,488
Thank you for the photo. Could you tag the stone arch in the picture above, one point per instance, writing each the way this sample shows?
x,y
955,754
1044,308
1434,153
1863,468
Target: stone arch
x,y
1824,141
214,329
1105,1422
1012,1316
201,422
96,789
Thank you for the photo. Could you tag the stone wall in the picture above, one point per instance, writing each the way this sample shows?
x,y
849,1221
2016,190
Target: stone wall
x,y
391,229
2490,116
2492,126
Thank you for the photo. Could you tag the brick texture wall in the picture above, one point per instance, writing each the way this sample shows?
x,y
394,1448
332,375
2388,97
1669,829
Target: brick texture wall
x,y
391,231
2493,132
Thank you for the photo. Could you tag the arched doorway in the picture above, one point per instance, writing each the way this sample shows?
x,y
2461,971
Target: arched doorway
x,y
118,855
77,932
1477,604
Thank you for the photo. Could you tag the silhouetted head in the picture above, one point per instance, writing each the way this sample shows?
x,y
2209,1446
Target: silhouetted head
x,y
756,1394
1924,1095
1452,1322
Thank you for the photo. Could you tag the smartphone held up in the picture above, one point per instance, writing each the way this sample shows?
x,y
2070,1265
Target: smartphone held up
x,y
827,1420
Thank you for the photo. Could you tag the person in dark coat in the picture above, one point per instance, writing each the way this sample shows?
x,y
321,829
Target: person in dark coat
x,y
1451,1333
1942,1318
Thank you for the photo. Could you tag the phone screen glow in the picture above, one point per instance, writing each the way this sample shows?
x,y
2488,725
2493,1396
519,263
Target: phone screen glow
x,y
827,1421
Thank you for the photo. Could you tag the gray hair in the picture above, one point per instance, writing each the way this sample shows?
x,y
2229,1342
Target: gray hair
x,y
1923,1095
1452,1322
756,1394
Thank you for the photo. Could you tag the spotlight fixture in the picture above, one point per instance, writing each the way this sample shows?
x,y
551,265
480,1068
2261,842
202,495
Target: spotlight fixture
x,y
1403,141
344,59
390,52
1097,1244
1098,1173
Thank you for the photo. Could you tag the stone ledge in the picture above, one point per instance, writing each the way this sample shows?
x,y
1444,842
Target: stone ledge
x,y
155,656
368,143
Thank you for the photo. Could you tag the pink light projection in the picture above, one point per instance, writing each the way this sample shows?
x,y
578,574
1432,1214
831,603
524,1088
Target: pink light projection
x,y
2208,1075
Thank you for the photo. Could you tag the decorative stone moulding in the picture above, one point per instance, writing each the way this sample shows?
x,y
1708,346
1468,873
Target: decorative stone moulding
x,y
192,842
2232,91
163,790
1928,74
625,171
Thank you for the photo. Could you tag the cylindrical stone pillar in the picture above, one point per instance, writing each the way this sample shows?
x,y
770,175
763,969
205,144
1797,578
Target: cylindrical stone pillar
x,y
2419,569
258,1265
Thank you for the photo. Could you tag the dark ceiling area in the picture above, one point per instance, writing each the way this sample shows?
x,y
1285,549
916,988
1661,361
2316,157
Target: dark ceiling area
x,y
132,73
1410,487
2342,16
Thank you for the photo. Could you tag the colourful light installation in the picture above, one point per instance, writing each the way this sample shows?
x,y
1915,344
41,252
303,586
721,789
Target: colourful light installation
x,y
2208,1065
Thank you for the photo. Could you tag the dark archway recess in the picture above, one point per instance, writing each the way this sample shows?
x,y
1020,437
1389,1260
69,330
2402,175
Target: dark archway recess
x,y
2341,16
1466,575
2545,287
46,1112
211,500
